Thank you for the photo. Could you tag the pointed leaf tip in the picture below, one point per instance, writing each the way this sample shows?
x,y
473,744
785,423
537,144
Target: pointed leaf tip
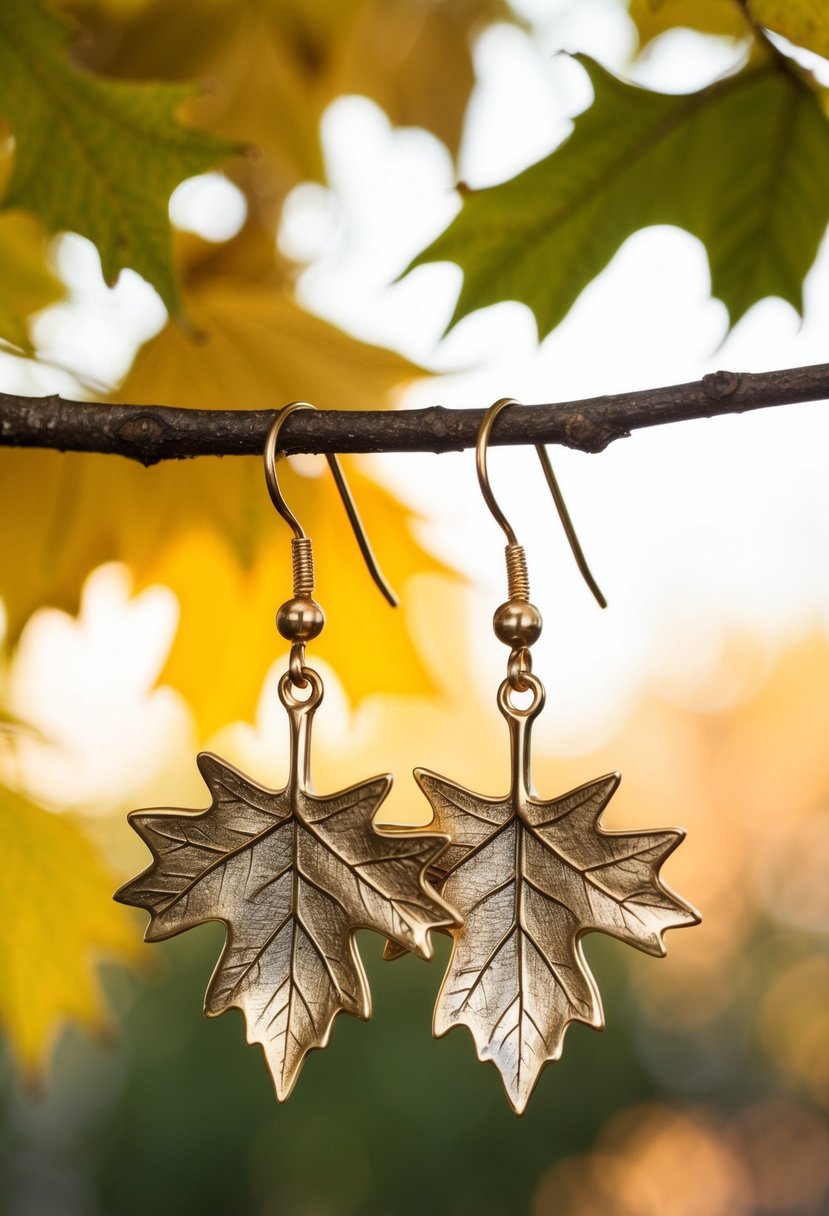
x,y
754,144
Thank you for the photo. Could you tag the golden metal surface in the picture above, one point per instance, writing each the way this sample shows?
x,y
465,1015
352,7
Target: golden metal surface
x,y
530,878
292,875
271,455
517,623
558,498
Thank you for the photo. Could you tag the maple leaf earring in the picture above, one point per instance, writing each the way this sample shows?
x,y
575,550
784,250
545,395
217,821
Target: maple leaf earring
x,y
292,874
530,878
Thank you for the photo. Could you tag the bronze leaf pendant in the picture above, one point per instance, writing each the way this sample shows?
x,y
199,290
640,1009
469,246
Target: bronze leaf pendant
x,y
530,878
292,875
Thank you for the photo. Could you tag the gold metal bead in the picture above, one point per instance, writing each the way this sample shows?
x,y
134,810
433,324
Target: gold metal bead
x,y
517,623
300,620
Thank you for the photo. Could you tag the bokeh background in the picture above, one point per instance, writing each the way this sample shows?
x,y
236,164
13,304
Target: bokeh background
x,y
706,683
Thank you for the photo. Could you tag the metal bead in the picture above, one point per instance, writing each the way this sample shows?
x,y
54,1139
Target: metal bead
x,y
517,623
300,620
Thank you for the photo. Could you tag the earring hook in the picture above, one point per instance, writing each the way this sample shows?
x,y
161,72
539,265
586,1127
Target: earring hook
x,y
489,498
271,455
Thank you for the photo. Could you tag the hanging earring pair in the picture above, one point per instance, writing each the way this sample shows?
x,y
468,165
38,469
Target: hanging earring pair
x,y
529,877
292,874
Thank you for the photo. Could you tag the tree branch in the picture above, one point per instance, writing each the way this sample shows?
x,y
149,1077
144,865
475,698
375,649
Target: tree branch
x,y
149,434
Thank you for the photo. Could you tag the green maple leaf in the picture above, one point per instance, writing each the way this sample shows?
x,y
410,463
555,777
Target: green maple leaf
x,y
742,164
94,156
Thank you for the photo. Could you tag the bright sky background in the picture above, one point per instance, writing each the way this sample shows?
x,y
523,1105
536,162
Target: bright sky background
x,y
710,540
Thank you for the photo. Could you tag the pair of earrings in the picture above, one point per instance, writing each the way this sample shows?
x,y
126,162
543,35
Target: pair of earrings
x,y
516,881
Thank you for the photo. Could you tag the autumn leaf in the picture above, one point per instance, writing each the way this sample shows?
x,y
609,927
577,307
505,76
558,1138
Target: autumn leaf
x,y
292,875
415,60
803,22
360,626
206,527
742,164
26,282
57,920
229,538
95,156
277,66
726,18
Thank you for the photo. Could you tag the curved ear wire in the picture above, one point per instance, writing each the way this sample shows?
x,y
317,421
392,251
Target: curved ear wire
x,y
271,455
489,498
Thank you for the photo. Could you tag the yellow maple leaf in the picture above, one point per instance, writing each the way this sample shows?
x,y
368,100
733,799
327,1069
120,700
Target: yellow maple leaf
x,y
414,60
67,514
57,917
230,589
804,22
655,17
227,637
276,65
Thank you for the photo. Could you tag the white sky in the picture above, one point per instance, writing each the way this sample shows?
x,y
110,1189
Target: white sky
x,y
699,534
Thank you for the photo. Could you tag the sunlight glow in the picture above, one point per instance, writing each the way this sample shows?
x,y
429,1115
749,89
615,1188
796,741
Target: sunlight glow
x,y
710,539
209,205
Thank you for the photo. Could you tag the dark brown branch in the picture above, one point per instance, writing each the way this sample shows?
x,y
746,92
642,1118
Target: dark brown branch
x,y
152,433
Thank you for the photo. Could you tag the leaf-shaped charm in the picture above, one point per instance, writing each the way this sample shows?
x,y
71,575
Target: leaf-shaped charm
x,y
529,878
292,875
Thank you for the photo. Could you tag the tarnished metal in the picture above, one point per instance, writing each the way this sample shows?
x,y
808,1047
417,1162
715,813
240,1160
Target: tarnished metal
x,y
292,875
529,878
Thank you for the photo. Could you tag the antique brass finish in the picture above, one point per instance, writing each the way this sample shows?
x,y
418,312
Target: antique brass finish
x,y
300,619
517,623
530,877
292,875
522,592
271,455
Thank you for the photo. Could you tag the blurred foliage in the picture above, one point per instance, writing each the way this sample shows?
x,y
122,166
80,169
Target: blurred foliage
x,y
26,282
709,1091
803,22
57,920
739,164
181,1118
207,528
724,18
280,62
92,156
249,345
743,165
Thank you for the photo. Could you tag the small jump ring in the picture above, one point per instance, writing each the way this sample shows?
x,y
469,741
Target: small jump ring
x,y
519,667
288,697
533,685
296,666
